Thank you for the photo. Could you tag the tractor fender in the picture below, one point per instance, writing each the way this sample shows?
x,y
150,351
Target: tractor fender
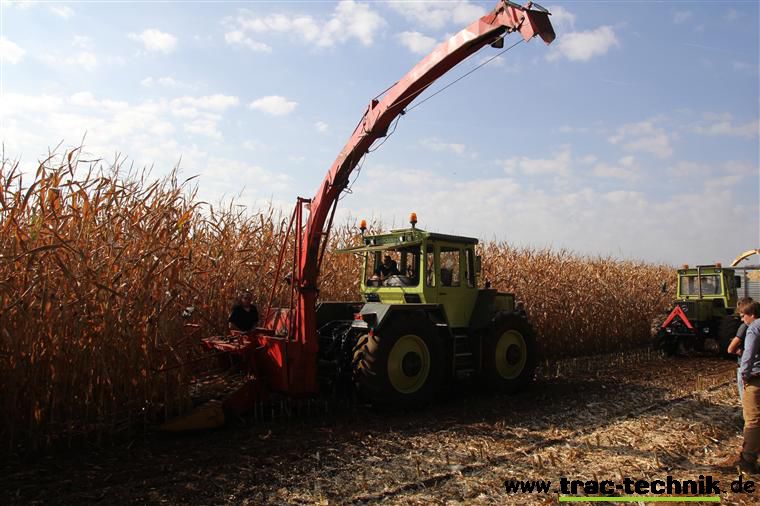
x,y
490,303
376,315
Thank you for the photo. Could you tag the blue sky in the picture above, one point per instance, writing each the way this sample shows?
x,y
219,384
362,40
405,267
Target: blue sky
x,y
635,134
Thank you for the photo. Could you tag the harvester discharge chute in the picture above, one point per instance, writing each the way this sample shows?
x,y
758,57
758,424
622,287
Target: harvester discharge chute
x,y
288,353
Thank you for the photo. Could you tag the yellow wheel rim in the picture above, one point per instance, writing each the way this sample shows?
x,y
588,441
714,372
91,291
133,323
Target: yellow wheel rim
x,y
408,364
511,354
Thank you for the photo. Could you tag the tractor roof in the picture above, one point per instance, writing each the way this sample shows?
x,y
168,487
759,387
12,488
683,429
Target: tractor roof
x,y
417,234
404,238
704,270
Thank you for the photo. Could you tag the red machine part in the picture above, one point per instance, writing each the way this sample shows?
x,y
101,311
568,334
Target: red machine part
x,y
677,312
283,353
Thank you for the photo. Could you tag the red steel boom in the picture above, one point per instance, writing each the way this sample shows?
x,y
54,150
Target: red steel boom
x,y
283,354
505,18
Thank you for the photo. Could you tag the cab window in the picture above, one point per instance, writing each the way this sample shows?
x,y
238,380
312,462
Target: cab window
x,y
450,275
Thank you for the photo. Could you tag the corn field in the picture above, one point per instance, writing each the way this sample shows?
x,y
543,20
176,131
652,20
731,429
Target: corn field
x,y
98,262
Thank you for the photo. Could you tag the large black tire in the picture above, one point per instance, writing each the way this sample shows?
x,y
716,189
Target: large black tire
x,y
662,340
726,332
509,353
401,366
667,343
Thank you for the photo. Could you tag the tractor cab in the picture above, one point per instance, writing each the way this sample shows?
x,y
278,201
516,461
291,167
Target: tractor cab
x,y
412,266
706,298
711,284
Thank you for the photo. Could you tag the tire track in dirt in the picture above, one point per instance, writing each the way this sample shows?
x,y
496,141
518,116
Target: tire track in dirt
x,y
627,409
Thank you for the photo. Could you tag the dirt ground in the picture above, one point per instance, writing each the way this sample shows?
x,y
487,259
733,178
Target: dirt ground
x,y
641,416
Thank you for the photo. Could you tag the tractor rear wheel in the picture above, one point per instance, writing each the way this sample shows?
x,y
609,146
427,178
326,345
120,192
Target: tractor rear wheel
x,y
509,353
402,365
726,332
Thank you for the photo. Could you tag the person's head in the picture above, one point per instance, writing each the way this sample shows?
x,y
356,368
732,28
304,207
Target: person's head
x,y
744,301
749,311
387,260
246,297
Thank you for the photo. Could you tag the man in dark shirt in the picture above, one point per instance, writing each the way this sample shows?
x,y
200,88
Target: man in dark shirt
x,y
244,315
387,268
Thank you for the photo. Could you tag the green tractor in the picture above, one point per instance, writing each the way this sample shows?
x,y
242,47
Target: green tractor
x,y
704,308
423,322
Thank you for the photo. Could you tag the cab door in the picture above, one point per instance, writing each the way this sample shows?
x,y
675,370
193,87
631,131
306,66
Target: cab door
x,y
457,290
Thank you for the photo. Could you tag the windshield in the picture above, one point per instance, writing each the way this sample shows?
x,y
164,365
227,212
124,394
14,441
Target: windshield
x,y
710,285
393,267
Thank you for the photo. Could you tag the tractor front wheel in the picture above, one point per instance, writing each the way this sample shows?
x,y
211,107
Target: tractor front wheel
x,y
509,353
402,365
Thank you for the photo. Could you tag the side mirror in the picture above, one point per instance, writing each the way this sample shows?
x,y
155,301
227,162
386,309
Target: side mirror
x,y
738,281
478,265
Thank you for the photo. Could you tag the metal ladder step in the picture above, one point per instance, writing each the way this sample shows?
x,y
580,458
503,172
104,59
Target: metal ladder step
x,y
464,361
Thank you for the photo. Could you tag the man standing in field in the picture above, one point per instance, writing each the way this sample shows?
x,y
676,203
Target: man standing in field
x,y
750,375
244,316
736,346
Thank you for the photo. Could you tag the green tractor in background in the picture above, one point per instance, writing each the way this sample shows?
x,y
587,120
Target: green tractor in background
x,y
423,322
704,308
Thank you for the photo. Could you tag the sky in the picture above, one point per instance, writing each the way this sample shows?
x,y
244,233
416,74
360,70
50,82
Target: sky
x,y
634,135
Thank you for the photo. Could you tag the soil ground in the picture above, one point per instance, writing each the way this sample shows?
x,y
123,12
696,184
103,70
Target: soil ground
x,y
640,415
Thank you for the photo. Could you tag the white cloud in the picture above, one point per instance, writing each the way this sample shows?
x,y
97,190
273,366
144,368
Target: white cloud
x,y
254,145
144,130
436,145
216,102
726,127
416,42
438,15
238,38
201,115
688,169
680,17
562,19
644,136
206,126
84,60
82,42
320,126
559,165
723,174
155,41
582,46
231,172
62,11
350,20
10,52
625,197
582,219
725,181
497,61
165,82
274,105
625,169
